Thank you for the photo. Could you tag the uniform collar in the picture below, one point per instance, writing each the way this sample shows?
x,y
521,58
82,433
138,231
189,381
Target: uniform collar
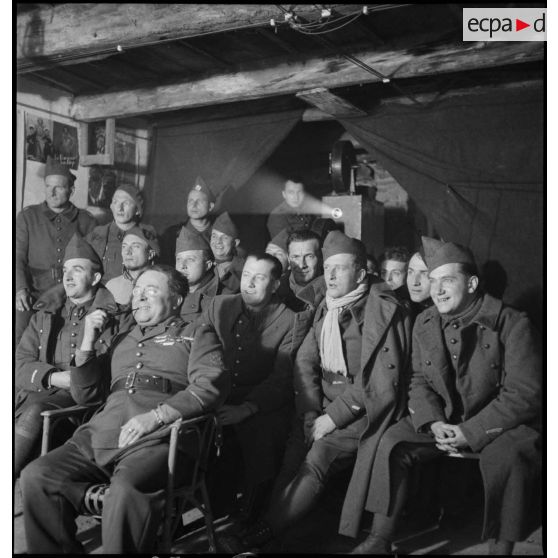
x,y
313,290
152,331
357,309
70,213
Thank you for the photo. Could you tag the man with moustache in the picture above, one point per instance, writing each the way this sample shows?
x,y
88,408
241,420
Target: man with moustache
x,y
42,233
160,371
476,386
48,346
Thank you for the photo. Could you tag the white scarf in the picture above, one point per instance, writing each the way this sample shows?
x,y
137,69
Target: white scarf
x,y
331,347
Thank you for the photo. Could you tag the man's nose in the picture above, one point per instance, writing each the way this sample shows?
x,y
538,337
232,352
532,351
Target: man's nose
x,y
416,281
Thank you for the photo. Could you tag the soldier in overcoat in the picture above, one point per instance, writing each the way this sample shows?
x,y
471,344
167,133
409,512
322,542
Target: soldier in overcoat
x,y
343,405
42,234
160,371
476,386
48,346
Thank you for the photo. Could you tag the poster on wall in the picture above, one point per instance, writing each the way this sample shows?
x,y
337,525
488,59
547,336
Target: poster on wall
x,y
125,161
45,137
102,183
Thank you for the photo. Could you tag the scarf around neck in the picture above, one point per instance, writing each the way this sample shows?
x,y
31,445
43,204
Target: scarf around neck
x,y
331,347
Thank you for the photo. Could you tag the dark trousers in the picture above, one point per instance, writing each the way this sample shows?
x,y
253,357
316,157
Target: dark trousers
x,y
29,422
54,485
326,457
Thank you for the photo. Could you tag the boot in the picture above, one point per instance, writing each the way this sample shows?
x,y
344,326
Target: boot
x,y
373,544
500,547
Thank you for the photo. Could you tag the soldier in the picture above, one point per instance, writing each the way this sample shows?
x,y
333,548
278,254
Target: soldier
x,y
476,386
346,377
291,214
139,250
127,209
200,204
194,260
177,372
306,280
418,284
42,233
393,266
256,331
224,243
47,348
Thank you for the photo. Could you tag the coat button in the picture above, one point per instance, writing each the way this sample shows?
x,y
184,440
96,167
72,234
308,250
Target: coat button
x,y
455,326
139,365
73,334
486,346
72,345
101,341
59,249
131,390
482,328
453,341
493,366
454,357
74,323
427,362
140,344
72,355
59,260
385,349
240,348
237,361
138,354
391,366
395,384
40,347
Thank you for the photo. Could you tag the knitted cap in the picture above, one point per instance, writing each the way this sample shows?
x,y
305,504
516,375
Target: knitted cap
x,y
145,234
78,247
224,224
188,240
337,242
54,167
201,186
437,253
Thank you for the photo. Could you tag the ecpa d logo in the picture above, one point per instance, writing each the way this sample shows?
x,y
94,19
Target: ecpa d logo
x,y
504,24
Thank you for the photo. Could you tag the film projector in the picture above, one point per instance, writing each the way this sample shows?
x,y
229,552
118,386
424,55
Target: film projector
x,y
361,217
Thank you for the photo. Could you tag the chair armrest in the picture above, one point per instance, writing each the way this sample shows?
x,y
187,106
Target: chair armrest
x,y
74,410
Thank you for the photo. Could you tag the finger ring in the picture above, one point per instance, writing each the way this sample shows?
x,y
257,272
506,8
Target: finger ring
x,y
130,430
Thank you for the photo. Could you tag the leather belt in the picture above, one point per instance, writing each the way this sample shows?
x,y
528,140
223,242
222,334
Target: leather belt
x,y
334,378
134,381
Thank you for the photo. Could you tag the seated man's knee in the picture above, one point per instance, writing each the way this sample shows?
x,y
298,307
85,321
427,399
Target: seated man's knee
x,y
34,474
30,421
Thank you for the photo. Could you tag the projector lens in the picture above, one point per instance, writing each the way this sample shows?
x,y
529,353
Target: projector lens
x,y
336,213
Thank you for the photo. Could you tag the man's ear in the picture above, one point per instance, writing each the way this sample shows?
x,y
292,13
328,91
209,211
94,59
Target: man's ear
x,y
283,194
151,255
276,284
472,284
211,206
236,242
209,264
178,300
96,278
361,276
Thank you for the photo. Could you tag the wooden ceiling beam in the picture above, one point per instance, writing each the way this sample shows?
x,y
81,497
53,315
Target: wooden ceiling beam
x,y
288,77
67,33
326,101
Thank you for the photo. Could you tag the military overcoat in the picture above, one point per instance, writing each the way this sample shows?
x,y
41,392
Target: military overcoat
x,y
498,380
41,238
377,392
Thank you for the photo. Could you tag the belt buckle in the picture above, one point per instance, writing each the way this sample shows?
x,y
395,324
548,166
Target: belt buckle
x,y
130,379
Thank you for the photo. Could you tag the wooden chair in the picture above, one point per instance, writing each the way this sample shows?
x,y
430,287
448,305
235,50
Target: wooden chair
x,y
194,493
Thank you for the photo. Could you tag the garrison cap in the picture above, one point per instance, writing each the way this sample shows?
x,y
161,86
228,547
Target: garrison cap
x,y
188,240
131,191
55,168
439,253
78,247
224,224
280,240
145,234
337,242
201,186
